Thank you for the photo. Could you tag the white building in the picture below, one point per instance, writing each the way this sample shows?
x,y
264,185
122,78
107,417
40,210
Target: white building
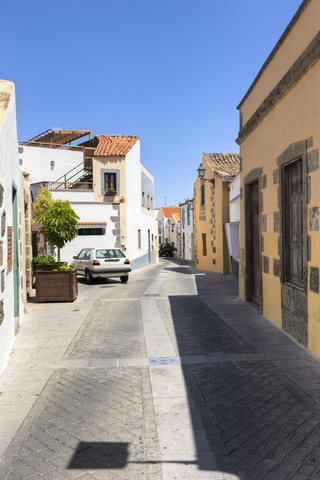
x,y
168,227
11,299
106,184
233,227
186,216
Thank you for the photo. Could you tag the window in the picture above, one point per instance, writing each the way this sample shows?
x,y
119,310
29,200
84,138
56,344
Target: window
x,y
110,182
143,199
202,194
151,203
293,238
172,228
91,231
109,253
204,244
188,215
139,238
148,202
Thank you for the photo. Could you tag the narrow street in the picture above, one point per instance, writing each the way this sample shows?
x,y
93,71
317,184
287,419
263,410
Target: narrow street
x,y
167,377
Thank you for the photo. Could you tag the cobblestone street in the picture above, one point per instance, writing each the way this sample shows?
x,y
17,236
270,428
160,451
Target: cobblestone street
x,y
167,377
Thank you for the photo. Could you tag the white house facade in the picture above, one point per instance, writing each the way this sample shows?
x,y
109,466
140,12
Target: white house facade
x,y
232,228
167,225
107,186
186,218
11,298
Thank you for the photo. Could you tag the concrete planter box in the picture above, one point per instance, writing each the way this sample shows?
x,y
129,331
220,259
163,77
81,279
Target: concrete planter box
x,y
60,286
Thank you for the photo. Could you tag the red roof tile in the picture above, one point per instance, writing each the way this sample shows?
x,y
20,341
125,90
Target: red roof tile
x,y
169,211
92,223
177,216
223,164
114,145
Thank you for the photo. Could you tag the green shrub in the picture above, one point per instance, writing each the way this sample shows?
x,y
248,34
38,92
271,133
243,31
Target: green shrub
x,y
44,260
63,267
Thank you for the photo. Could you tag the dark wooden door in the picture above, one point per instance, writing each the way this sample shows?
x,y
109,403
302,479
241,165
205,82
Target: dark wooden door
x,y
293,222
255,243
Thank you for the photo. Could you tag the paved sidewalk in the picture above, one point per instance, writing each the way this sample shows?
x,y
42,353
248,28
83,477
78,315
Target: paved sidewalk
x,y
167,377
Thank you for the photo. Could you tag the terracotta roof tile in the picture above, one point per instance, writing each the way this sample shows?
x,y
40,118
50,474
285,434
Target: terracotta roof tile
x,y
169,211
92,223
177,216
223,164
114,145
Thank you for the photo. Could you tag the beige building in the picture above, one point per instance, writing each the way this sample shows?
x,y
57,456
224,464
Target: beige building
x,y
211,210
279,139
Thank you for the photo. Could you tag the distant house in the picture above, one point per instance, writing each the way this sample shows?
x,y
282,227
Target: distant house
x,y
168,219
186,218
280,197
211,210
109,189
11,271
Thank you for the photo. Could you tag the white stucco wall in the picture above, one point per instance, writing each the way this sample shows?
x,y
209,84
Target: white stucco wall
x,y
37,162
187,230
73,195
135,219
92,212
9,174
234,199
232,228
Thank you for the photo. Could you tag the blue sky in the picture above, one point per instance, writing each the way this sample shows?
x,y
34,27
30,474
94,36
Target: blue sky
x,y
170,71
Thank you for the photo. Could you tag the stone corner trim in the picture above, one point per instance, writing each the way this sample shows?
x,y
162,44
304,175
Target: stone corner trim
x,y
303,63
314,279
314,219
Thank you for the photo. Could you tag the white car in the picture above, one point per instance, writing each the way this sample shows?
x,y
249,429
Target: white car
x,y
102,262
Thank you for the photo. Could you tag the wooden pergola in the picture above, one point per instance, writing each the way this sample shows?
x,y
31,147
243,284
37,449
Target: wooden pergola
x,y
57,136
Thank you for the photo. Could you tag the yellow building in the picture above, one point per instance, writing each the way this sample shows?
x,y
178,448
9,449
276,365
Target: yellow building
x,y
211,210
279,139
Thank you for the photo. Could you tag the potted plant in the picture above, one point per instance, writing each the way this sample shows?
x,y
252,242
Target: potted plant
x,y
59,226
111,191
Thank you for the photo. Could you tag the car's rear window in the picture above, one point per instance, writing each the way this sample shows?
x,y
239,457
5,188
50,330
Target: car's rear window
x,y
109,253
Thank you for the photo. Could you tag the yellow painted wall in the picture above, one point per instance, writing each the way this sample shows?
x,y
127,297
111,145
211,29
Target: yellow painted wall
x,y
296,42
216,211
295,118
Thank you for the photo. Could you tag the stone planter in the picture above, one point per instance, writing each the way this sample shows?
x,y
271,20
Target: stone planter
x,y
60,286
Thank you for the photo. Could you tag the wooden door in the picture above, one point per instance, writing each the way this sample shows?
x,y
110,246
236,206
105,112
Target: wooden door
x,y
293,223
255,244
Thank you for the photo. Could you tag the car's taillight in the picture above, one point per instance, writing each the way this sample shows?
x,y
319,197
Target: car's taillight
x,y
127,261
95,262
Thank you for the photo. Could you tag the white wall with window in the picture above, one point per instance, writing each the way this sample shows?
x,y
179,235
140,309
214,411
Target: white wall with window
x,y
138,217
11,298
186,218
97,222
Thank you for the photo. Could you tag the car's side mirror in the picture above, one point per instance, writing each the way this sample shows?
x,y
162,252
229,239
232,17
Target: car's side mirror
x,y
75,257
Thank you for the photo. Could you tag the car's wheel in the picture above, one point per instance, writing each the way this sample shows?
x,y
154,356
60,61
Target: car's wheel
x,y
88,277
124,279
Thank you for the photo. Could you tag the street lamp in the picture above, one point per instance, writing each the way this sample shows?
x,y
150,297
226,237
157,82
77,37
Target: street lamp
x,y
201,172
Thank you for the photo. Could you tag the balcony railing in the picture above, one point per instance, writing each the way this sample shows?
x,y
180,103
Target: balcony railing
x,y
70,186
